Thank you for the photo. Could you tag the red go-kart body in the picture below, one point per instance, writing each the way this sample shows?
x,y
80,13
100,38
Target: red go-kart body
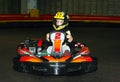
x,y
33,58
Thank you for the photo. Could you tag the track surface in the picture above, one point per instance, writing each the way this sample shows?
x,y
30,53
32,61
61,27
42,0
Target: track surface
x,y
103,41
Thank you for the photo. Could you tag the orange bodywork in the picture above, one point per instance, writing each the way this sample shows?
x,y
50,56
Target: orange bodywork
x,y
49,58
84,50
52,59
57,45
82,59
30,59
23,50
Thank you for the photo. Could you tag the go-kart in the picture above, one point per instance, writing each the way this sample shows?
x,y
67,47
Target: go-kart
x,y
56,59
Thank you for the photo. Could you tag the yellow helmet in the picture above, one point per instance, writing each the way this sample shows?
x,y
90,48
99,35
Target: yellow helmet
x,y
63,16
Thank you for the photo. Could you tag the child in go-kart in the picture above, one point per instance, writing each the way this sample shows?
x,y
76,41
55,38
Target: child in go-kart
x,y
60,23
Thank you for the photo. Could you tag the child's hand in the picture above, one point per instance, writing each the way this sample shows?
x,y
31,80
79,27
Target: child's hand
x,y
47,37
70,38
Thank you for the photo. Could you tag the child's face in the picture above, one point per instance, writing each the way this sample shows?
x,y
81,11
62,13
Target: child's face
x,y
59,22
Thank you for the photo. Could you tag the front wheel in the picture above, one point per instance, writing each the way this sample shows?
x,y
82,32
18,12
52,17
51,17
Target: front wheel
x,y
19,66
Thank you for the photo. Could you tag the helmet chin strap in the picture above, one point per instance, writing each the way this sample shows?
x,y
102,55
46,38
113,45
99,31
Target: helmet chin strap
x,y
60,27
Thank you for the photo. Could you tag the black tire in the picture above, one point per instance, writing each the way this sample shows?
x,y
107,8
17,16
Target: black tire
x,y
93,65
19,66
90,67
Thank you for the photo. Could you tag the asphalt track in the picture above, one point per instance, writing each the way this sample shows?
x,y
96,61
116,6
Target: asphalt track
x,y
102,39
